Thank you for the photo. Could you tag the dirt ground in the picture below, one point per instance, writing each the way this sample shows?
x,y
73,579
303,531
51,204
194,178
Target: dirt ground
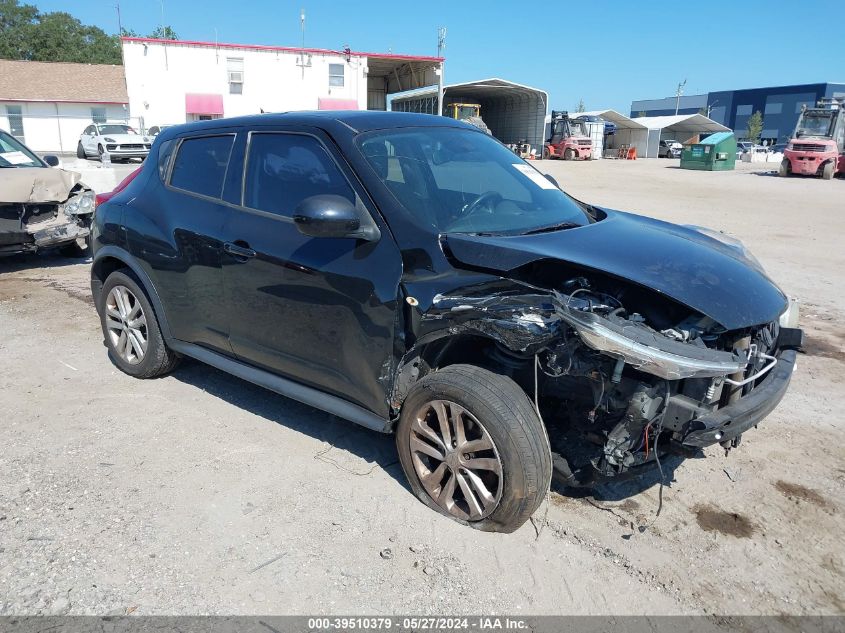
x,y
200,493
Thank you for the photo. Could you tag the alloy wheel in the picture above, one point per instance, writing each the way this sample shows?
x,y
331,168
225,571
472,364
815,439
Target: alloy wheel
x,y
127,325
456,460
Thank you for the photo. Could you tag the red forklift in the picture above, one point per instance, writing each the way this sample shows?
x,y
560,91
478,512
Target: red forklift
x,y
817,148
569,139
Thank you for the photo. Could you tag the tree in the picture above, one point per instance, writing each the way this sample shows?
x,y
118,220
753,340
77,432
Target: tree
x,y
52,37
755,127
164,33
581,107
16,23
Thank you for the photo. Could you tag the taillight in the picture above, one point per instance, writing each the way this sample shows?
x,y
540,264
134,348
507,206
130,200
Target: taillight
x,y
100,198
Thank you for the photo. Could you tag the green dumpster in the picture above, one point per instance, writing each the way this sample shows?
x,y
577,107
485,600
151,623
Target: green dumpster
x,y
715,153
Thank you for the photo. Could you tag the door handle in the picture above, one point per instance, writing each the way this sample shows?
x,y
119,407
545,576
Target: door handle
x,y
240,251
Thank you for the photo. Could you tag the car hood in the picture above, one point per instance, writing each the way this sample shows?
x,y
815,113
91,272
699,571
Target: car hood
x,y
37,184
715,278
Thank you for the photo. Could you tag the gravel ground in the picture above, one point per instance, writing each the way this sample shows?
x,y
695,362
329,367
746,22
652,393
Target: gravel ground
x,y
200,493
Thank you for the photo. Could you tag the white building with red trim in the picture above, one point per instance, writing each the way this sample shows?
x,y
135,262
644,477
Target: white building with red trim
x,y
180,81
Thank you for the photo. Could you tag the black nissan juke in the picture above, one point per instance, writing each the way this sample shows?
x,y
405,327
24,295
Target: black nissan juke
x,y
411,274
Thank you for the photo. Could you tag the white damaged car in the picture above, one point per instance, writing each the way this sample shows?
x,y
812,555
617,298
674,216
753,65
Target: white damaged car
x,y
41,206
120,140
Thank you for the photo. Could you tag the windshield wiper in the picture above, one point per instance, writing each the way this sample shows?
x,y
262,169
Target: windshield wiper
x,y
553,227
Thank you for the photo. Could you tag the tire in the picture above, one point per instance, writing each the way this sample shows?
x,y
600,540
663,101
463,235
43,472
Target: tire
x,y
80,151
100,150
784,169
80,248
157,359
546,153
493,410
828,170
479,123
569,154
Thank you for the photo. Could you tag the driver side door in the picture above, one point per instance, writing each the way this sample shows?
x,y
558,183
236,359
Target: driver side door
x,y
318,310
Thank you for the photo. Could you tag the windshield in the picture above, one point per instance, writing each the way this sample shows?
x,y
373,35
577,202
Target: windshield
x,y
115,129
814,124
467,111
578,128
13,153
461,181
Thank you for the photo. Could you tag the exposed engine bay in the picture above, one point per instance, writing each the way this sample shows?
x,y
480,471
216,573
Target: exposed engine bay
x,y
42,208
620,374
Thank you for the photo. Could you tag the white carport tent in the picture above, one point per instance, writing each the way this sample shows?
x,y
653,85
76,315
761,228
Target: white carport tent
x,y
679,127
512,111
628,131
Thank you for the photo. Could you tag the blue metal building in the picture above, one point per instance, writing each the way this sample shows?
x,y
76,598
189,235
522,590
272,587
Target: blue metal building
x,y
779,105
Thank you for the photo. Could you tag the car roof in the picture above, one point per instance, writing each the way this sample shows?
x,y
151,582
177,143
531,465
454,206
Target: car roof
x,y
356,120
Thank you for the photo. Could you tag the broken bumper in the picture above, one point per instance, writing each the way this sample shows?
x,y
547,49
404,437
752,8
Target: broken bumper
x,y
729,422
45,237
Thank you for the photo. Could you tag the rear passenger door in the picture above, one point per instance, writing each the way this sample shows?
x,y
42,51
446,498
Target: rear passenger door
x,y
177,235
320,311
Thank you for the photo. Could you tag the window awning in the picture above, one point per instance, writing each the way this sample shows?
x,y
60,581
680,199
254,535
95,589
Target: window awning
x,y
204,104
336,104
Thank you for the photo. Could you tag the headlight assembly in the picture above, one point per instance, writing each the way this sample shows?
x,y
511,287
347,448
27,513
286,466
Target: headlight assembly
x,y
80,203
650,351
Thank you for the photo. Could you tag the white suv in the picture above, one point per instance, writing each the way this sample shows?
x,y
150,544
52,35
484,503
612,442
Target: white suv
x,y
118,139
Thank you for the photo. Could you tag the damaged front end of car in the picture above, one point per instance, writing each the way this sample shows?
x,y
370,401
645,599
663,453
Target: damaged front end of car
x,y
43,208
621,375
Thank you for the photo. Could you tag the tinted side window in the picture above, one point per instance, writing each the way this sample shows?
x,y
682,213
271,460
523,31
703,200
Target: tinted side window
x,y
200,164
284,169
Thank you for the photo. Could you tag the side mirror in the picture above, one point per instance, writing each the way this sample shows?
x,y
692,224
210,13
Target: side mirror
x,y
51,160
331,216
552,180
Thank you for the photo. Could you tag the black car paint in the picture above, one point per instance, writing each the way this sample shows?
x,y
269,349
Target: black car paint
x,y
359,311
682,263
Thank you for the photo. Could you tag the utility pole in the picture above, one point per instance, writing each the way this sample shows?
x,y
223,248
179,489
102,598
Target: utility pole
x,y
441,47
710,107
678,95
119,23
302,51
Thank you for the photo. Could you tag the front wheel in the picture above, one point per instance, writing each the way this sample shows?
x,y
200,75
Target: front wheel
x,y
783,170
473,448
827,171
80,151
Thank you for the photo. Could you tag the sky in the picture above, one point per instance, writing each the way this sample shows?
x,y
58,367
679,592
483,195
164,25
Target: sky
x,y
607,53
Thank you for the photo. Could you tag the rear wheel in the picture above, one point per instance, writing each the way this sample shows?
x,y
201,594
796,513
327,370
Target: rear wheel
x,y
569,154
80,151
784,168
132,333
473,448
827,171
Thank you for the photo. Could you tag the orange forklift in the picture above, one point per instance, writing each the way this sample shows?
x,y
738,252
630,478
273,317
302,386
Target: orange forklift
x,y
569,139
817,148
